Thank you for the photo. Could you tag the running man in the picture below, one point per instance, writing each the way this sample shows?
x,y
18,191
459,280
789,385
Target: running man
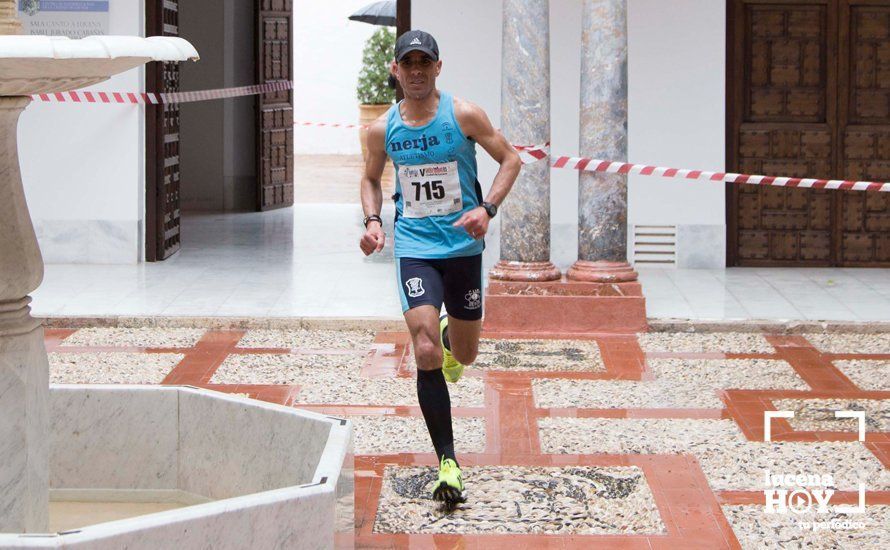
x,y
441,219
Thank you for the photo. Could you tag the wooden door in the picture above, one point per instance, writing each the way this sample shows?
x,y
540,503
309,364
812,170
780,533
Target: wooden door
x,y
162,141
783,113
275,122
864,132
792,93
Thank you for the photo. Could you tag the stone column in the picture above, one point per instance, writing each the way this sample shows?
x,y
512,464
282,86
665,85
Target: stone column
x,y
525,119
602,198
24,372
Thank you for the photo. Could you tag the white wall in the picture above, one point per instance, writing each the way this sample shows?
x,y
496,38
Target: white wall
x,y
327,59
676,107
83,167
677,67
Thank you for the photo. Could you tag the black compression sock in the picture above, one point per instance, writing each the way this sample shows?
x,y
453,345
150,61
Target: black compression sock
x,y
435,403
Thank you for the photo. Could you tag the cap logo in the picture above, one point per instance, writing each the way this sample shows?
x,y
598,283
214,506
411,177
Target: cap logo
x,y
415,42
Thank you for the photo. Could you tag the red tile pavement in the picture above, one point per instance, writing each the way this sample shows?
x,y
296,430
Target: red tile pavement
x,y
689,509
278,394
199,364
814,367
389,357
52,337
881,450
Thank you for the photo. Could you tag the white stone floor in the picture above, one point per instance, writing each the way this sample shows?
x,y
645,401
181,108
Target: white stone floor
x,y
304,262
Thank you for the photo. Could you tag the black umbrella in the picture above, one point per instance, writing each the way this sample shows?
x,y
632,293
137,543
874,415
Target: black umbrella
x,y
379,13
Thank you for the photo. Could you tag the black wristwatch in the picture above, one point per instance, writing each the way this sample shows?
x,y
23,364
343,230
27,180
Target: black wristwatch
x,y
373,218
490,208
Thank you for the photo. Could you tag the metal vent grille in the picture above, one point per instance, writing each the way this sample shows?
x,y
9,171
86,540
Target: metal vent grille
x,y
655,245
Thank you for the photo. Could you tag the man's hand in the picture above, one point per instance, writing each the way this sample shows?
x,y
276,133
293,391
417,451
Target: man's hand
x,y
475,222
373,239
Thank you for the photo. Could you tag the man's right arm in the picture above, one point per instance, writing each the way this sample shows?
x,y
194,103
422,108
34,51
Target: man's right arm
x,y
371,191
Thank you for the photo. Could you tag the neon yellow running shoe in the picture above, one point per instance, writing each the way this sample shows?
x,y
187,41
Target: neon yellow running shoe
x,y
451,369
450,487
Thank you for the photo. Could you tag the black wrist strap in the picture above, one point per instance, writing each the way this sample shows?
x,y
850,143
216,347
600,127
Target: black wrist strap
x,y
373,218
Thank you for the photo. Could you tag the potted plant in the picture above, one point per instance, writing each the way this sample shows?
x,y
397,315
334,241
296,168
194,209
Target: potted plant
x,y
374,93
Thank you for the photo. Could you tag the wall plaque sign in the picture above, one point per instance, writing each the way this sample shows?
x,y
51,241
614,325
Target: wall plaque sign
x,y
71,18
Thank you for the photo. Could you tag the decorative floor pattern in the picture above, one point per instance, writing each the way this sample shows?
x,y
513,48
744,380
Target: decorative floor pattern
x,y
539,355
523,500
811,415
602,441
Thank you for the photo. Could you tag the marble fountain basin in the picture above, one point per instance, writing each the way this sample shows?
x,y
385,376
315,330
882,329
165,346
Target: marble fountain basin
x,y
228,472
47,64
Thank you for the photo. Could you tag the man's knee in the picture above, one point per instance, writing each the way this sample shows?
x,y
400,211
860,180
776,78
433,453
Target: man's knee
x,y
427,353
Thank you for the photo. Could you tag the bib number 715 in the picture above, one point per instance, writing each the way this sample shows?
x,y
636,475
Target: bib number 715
x,y
431,189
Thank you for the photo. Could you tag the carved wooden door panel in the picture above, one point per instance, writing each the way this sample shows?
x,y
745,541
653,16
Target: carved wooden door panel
x,y
275,129
865,131
810,97
783,96
162,143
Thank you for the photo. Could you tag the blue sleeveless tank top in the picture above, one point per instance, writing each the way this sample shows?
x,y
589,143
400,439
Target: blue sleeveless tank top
x,y
427,201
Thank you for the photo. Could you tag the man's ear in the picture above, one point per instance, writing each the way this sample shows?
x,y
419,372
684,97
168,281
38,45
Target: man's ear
x,y
438,67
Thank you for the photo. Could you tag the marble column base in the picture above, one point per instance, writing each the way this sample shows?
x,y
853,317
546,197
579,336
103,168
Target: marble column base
x,y
524,271
558,308
24,421
601,272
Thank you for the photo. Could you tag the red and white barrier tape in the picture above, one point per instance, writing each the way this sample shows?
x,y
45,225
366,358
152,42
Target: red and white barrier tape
x,y
528,153
156,99
534,153
609,167
329,124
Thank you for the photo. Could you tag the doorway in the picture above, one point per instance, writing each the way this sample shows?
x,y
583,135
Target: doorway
x,y
229,155
808,95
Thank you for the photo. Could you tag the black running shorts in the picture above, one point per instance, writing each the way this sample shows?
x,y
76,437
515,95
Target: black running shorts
x,y
455,281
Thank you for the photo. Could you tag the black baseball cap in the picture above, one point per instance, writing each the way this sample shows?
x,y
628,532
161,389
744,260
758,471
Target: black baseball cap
x,y
417,41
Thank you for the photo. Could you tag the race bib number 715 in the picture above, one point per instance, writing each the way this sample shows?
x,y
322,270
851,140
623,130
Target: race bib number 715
x,y
430,189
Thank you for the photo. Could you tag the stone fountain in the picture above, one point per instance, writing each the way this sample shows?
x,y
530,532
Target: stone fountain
x,y
34,65
286,469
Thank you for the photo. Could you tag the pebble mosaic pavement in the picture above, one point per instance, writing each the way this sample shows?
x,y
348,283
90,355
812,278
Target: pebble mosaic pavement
x,y
607,441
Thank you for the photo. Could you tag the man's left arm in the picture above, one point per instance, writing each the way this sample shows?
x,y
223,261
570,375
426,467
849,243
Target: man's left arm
x,y
475,124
